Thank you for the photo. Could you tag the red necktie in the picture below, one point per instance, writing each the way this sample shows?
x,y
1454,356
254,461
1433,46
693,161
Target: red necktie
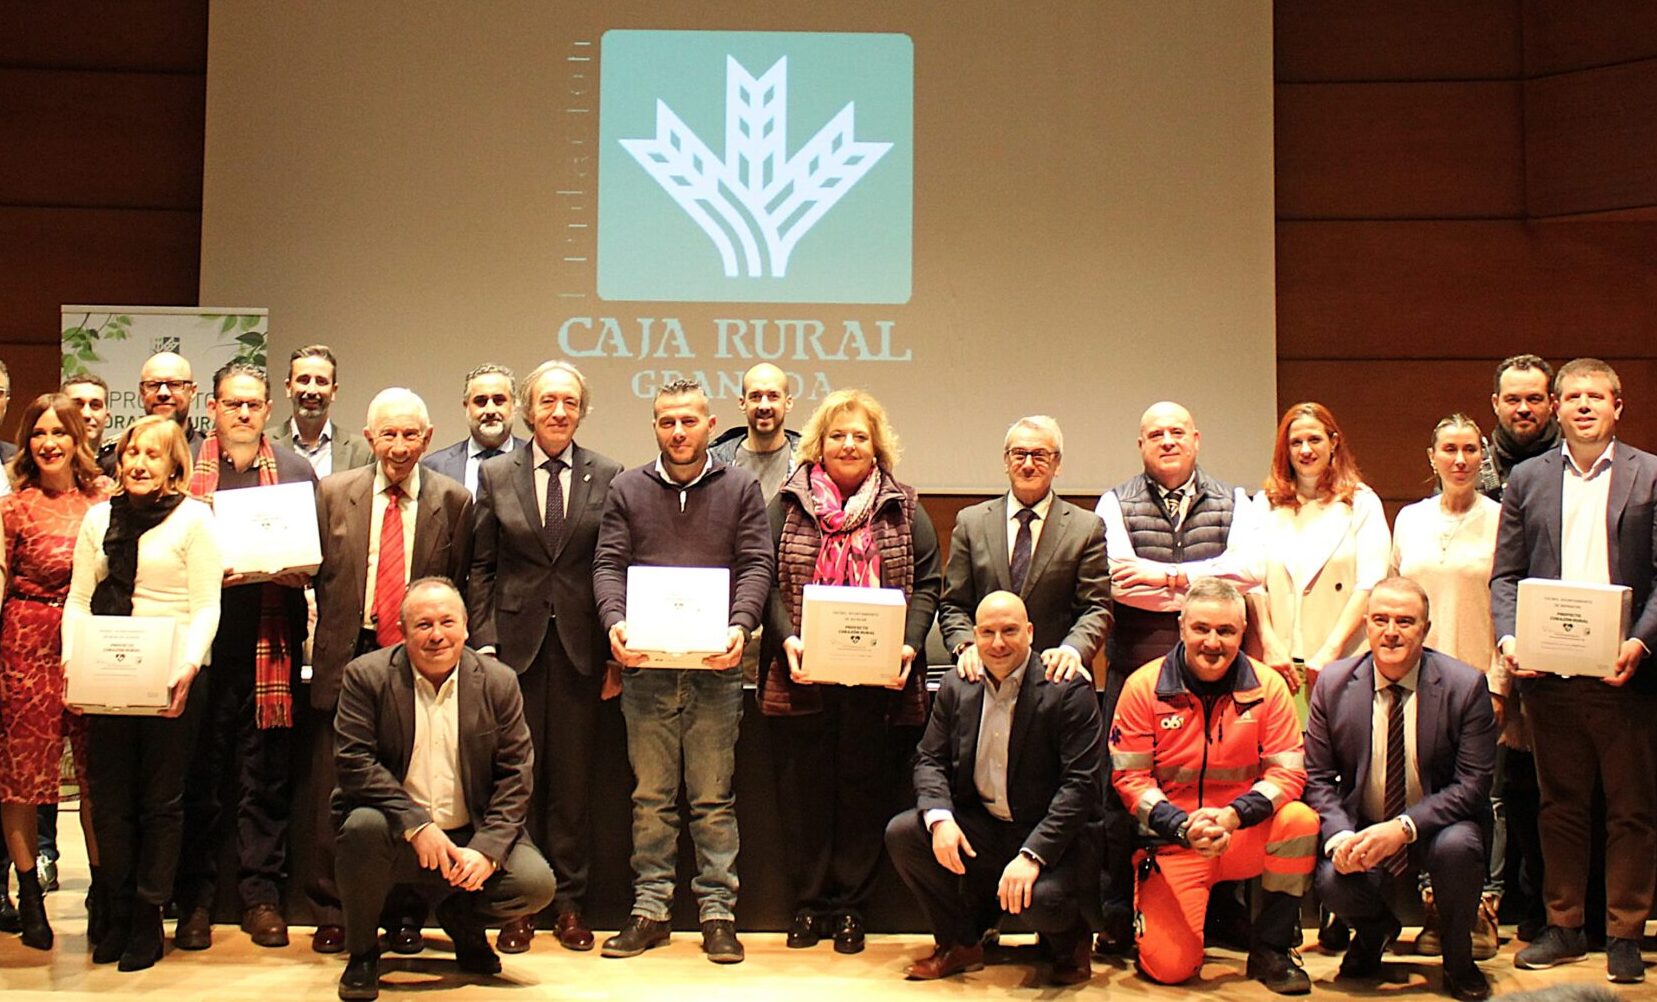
x,y
389,573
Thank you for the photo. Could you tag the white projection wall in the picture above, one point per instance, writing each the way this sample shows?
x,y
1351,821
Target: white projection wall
x,y
974,210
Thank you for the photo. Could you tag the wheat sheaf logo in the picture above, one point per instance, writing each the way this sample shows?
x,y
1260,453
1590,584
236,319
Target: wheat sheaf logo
x,y
756,203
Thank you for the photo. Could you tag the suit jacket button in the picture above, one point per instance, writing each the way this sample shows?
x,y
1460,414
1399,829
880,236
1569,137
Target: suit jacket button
x,y
1338,586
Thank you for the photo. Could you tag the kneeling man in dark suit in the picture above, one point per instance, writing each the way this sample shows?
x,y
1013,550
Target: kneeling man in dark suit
x,y
1400,748
1008,784
435,767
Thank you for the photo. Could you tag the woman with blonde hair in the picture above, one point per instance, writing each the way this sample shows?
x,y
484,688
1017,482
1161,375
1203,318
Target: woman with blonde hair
x,y
149,551
842,518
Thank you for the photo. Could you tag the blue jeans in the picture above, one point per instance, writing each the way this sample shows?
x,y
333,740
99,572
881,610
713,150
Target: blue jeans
x,y
683,721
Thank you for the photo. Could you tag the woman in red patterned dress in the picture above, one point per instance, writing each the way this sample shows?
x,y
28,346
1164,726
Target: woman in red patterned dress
x,y
55,479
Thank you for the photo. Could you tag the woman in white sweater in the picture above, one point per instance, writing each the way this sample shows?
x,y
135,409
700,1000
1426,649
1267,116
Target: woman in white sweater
x,y
149,551
1446,544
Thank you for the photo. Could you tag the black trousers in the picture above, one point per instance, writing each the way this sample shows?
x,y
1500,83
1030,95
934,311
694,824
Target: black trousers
x,y
1116,889
381,859
839,778
561,708
136,771
240,782
1454,858
961,908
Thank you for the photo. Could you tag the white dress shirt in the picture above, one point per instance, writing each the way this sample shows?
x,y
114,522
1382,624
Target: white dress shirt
x,y
320,455
1375,790
1584,496
433,780
376,518
474,450
1235,564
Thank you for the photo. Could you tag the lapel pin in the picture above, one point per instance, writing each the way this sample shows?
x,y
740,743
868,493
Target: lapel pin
x,y
587,478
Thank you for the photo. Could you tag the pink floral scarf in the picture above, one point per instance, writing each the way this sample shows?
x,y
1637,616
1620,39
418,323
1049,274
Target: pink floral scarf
x,y
848,555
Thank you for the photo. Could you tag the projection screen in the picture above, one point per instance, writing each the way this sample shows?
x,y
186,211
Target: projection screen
x,y
973,210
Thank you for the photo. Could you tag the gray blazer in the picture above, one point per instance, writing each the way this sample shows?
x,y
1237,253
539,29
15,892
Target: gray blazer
x,y
374,739
348,448
1067,590
1528,542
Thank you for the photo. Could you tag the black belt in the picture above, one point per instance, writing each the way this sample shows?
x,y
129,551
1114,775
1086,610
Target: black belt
x,y
38,599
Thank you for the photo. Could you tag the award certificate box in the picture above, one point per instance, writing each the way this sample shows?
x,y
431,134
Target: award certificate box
x,y
678,615
121,664
265,531
853,636
1571,628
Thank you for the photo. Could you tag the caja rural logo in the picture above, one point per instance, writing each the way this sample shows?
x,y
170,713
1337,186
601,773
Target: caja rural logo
x,y
767,216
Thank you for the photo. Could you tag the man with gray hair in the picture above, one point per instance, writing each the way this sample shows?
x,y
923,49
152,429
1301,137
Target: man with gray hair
x,y
489,403
381,526
532,602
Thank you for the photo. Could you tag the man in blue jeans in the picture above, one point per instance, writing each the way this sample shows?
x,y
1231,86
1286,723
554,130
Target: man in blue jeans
x,y
683,510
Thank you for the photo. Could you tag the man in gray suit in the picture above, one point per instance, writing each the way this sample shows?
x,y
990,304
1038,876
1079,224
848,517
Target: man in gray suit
x,y
434,773
531,600
312,386
358,593
489,405
1053,559
1588,513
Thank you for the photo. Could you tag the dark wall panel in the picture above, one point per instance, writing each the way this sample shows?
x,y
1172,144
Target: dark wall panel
x,y
1563,35
1589,139
156,36
1396,40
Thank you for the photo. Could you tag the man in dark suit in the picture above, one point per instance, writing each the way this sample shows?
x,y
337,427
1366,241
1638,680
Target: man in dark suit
x,y
354,599
1588,513
166,386
531,601
1053,559
489,407
1007,788
1400,750
435,767
312,385
246,735
7,449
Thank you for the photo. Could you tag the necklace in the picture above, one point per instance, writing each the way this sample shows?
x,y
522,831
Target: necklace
x,y
1447,530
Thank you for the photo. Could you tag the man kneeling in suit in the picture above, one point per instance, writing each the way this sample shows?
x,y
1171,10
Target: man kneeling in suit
x,y
435,766
1400,749
1008,783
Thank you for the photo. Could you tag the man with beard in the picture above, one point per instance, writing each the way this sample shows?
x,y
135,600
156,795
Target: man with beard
x,y
167,387
312,386
246,731
1525,424
765,448
489,404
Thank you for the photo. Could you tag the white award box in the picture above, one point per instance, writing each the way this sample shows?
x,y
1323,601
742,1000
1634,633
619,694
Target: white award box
x,y
678,615
1571,628
266,531
853,636
121,664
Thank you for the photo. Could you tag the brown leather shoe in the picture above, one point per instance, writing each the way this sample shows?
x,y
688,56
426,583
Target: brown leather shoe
x,y
1075,966
947,961
194,930
516,935
328,939
265,924
572,931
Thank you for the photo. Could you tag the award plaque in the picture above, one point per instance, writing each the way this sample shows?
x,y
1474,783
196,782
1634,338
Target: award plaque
x,y
121,664
266,531
678,615
1571,628
853,636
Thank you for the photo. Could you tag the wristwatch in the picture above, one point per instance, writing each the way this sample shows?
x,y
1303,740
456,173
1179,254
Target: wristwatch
x,y
1182,834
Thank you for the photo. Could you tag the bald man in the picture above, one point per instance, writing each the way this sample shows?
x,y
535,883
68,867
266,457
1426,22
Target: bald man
x,y
1008,785
1168,525
764,448
166,386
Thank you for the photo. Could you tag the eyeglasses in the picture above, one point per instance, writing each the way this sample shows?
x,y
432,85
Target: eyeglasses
x,y
236,405
170,385
1041,457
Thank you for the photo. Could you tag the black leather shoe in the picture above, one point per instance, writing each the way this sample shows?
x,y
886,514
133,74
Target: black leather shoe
x,y
10,921
1333,933
360,981
1363,957
1466,986
144,946
194,930
638,935
31,911
458,918
802,932
1278,970
719,942
405,939
328,939
848,934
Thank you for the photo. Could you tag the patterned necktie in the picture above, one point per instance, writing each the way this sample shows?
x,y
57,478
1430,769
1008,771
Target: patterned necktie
x,y
389,573
1394,797
488,454
1021,548
1171,501
553,520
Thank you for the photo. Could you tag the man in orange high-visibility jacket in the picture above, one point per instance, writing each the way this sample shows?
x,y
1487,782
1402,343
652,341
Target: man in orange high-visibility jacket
x,y
1205,750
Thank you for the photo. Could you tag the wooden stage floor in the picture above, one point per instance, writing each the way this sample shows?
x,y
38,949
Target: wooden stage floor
x,y
234,969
